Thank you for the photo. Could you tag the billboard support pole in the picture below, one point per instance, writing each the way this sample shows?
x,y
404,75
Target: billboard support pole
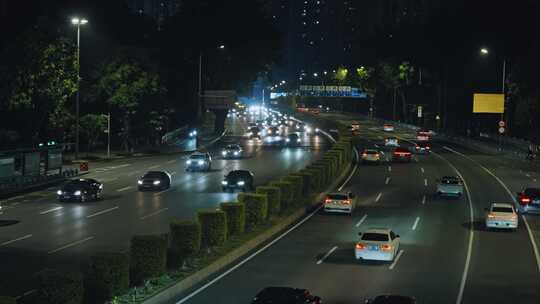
x,y
504,100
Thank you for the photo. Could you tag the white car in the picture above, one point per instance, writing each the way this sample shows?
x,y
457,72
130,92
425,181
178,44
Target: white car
x,y
371,156
380,244
450,186
388,128
502,216
339,202
391,142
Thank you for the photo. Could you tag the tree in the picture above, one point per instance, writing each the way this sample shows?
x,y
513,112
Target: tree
x,y
92,126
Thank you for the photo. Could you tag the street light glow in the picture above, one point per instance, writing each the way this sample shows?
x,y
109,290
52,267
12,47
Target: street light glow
x,y
79,21
221,47
75,21
484,51
84,21
315,74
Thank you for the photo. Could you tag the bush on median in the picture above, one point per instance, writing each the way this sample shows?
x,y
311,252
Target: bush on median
x,y
236,218
7,300
314,177
106,276
286,192
256,208
273,195
306,182
59,287
213,227
322,174
148,257
185,241
297,187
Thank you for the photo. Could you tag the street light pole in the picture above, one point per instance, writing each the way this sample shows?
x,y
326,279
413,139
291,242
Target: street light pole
x,y
199,109
78,22
109,135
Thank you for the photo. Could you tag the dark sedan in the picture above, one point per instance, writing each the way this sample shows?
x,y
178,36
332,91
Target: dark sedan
x,y
154,180
80,190
238,179
285,295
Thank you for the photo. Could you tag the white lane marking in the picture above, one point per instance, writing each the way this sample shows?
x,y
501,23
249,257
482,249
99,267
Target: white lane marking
x,y
527,175
247,259
361,220
459,298
389,168
422,169
352,172
378,197
102,212
15,240
531,235
154,213
107,180
171,161
51,210
326,255
424,199
124,189
71,245
425,182
416,223
387,180
153,167
400,253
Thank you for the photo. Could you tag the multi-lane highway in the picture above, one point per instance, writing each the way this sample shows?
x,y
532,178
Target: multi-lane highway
x,y
37,231
446,256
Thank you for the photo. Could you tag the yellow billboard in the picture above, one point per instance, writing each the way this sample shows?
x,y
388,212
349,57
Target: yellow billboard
x,y
488,103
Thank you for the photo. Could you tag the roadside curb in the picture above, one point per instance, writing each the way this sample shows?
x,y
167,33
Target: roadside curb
x,y
172,292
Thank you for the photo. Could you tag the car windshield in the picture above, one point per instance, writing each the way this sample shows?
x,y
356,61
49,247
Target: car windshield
x,y
338,197
76,184
450,181
232,147
198,156
371,152
502,209
237,174
377,237
153,175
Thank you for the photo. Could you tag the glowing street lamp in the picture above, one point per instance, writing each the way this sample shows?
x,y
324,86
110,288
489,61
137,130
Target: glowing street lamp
x,y
78,22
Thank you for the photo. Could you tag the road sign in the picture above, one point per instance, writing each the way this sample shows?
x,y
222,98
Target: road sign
x,y
501,123
501,130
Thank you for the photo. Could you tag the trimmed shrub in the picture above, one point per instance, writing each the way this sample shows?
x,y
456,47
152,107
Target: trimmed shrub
x,y
213,227
148,257
333,163
297,187
323,174
236,219
106,276
185,240
7,300
306,182
273,194
314,177
256,206
59,287
285,189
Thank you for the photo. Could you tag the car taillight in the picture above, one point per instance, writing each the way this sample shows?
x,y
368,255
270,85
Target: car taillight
x,y
327,201
417,148
386,247
364,154
428,147
491,216
347,202
361,246
524,200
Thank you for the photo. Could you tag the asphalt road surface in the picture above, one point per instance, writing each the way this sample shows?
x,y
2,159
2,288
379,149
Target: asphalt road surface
x,y
447,254
36,231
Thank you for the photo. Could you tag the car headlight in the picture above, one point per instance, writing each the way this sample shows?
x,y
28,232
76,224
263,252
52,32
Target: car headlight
x,y
224,153
101,186
308,130
59,192
298,140
78,192
235,152
139,182
224,182
157,182
317,130
287,140
241,183
250,133
201,162
188,162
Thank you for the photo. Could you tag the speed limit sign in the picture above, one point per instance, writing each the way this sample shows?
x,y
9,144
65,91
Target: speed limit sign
x,y
501,130
502,124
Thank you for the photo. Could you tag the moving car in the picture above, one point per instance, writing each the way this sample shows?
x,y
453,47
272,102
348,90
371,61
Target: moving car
x,y
355,126
272,131
301,127
450,186
401,154
199,161
371,156
238,179
388,128
422,147
254,132
154,180
285,295
82,190
391,142
502,216
379,244
423,135
529,200
392,299
293,140
232,151
339,202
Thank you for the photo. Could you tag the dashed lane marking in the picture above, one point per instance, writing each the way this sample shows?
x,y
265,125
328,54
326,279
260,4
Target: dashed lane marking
x,y
51,210
425,182
389,168
423,171
424,200
154,213
400,253
16,240
416,223
327,255
102,212
171,161
71,245
361,220
378,197
387,180
124,189
153,167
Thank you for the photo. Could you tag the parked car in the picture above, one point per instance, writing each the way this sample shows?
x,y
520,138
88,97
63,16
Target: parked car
x,y
238,179
501,216
154,180
339,202
285,295
450,186
199,161
379,244
529,200
81,190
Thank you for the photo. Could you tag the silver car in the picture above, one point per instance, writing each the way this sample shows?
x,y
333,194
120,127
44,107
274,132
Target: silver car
x,y
450,186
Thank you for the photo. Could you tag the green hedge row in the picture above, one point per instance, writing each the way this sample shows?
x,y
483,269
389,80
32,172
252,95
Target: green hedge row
x,y
106,276
273,195
213,227
286,194
236,219
148,257
59,287
256,208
